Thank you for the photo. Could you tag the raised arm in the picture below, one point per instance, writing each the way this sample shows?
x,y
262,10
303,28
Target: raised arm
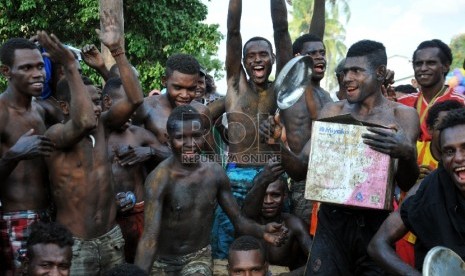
x,y
272,233
253,202
317,25
120,111
234,41
94,59
81,109
381,246
147,246
282,39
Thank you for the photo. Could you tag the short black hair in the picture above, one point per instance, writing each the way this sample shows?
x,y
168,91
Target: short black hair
x,y
248,243
182,113
453,118
299,42
257,38
7,51
340,67
405,88
111,85
445,53
126,269
434,111
373,50
182,63
47,233
209,84
63,90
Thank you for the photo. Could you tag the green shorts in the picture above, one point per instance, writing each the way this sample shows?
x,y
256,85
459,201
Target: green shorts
x,y
96,256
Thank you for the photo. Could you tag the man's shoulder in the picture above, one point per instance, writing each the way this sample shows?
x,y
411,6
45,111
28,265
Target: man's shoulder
x,y
409,100
451,94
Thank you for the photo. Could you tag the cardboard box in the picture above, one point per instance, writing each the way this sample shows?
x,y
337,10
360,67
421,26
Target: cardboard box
x,y
344,170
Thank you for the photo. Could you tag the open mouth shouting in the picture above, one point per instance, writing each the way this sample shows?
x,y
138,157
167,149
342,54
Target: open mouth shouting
x,y
460,174
258,71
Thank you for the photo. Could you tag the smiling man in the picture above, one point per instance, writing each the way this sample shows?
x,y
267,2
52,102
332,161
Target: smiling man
x,y
23,192
343,232
436,213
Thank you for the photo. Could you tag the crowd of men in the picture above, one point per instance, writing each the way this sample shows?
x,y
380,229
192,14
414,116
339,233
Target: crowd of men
x,y
107,182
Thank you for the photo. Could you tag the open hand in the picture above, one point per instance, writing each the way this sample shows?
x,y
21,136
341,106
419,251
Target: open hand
x,y
92,56
55,50
275,233
31,146
388,141
111,33
130,155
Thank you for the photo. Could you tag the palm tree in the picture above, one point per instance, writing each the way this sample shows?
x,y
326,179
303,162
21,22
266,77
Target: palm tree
x,y
336,10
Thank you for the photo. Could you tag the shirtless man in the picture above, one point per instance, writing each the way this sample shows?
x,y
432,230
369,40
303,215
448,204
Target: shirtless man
x,y
264,204
298,120
130,149
181,195
24,187
81,176
338,226
248,101
181,75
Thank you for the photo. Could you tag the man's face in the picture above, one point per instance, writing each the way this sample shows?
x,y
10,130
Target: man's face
x,y
428,68
453,154
273,200
201,86
50,259
258,61
247,263
187,141
181,88
359,79
27,74
316,50
96,98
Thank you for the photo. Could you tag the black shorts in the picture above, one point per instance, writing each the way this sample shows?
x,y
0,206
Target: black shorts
x,y
341,240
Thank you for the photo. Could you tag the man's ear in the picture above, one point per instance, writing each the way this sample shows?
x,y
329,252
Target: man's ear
x,y
167,136
273,58
5,71
446,68
381,73
107,102
164,79
64,107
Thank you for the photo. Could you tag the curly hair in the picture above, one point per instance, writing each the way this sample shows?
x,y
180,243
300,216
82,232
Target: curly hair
x,y
445,53
7,51
299,42
247,243
45,233
257,38
182,63
373,50
434,111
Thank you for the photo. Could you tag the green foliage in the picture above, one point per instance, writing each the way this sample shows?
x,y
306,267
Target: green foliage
x,y
154,30
335,32
457,46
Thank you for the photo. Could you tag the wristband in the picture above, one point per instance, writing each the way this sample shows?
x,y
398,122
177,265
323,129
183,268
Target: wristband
x,y
117,52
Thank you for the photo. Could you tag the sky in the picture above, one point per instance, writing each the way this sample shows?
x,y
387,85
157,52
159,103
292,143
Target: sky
x,y
399,24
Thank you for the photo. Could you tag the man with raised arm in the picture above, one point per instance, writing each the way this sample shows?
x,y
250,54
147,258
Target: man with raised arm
x,y
82,183
298,119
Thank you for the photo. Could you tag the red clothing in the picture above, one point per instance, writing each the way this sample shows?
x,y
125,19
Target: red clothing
x,y
411,100
132,225
404,247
